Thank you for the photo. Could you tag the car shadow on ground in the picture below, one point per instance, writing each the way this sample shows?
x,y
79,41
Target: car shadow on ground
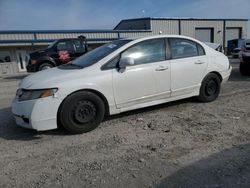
x,y
152,108
229,168
15,77
10,131
236,76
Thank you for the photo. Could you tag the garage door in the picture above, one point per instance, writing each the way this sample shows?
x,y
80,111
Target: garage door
x,y
233,33
204,34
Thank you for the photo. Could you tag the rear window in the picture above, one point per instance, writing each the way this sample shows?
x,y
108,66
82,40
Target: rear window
x,y
183,48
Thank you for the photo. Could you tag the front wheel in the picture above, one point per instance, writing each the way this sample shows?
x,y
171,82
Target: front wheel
x,y
210,88
81,112
45,66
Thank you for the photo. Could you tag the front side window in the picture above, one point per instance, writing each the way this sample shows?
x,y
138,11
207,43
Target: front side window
x,y
64,45
147,51
52,44
182,48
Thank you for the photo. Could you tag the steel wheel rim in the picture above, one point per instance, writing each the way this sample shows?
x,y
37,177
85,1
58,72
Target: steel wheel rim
x,y
45,67
84,112
211,87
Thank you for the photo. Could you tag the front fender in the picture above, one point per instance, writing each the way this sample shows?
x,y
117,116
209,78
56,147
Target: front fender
x,y
40,60
104,87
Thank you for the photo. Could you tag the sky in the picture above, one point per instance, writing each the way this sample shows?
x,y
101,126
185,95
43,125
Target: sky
x,y
105,14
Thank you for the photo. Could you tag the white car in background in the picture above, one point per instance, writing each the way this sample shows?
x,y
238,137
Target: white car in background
x,y
120,76
215,46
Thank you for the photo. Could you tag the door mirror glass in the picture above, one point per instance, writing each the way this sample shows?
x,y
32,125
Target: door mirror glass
x,y
126,61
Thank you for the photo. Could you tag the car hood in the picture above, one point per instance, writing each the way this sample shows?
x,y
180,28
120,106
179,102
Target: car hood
x,y
38,53
50,78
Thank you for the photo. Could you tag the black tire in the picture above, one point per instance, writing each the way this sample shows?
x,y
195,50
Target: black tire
x,y
81,112
244,69
45,66
210,88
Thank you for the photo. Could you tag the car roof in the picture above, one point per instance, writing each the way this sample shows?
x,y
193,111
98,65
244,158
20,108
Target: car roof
x,y
160,36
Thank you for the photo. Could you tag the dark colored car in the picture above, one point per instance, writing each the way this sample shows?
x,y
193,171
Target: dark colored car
x,y
245,62
235,52
245,65
59,52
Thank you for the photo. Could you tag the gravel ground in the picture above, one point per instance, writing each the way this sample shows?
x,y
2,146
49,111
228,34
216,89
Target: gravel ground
x,y
178,144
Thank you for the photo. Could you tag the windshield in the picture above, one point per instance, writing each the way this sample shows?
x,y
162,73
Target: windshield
x,y
52,44
99,53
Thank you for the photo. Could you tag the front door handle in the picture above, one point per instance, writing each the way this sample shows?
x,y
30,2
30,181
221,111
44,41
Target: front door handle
x,y
199,62
161,68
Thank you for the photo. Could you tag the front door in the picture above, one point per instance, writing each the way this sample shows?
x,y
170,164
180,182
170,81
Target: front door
x,y
147,79
20,56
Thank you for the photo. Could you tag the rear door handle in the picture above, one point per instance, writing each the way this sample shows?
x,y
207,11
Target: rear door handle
x,y
199,62
161,68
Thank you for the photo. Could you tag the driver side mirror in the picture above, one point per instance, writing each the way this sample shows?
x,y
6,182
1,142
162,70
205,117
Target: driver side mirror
x,y
124,62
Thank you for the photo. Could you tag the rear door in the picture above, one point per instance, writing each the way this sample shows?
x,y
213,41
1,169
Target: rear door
x,y
188,65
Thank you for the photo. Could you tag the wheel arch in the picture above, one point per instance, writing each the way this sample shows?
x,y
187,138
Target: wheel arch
x,y
46,58
216,73
99,94
45,61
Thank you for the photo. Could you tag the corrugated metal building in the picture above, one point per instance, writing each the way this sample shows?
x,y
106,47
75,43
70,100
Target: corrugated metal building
x,y
206,30
14,45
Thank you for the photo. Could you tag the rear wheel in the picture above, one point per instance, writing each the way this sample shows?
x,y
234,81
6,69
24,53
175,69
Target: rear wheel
x,y
45,66
82,112
210,88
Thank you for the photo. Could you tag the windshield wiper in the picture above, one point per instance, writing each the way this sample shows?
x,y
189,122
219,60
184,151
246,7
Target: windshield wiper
x,y
76,65
71,65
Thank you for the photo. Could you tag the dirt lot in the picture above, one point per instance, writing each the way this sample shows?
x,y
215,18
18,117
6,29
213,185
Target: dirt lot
x,y
179,144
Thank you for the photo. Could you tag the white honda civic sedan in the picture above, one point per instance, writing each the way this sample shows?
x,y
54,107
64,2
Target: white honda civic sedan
x,y
119,76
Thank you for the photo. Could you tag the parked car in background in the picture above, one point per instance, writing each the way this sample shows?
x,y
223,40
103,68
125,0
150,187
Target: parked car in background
x,y
247,45
59,52
234,44
119,76
244,67
235,52
215,46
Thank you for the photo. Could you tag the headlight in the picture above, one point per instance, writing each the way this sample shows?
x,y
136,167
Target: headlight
x,y
33,61
23,94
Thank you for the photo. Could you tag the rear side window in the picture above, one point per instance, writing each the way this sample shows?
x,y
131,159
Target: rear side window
x,y
200,50
147,51
78,46
64,45
183,48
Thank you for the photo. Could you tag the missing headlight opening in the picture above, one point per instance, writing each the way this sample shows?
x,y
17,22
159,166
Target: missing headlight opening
x,y
24,95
